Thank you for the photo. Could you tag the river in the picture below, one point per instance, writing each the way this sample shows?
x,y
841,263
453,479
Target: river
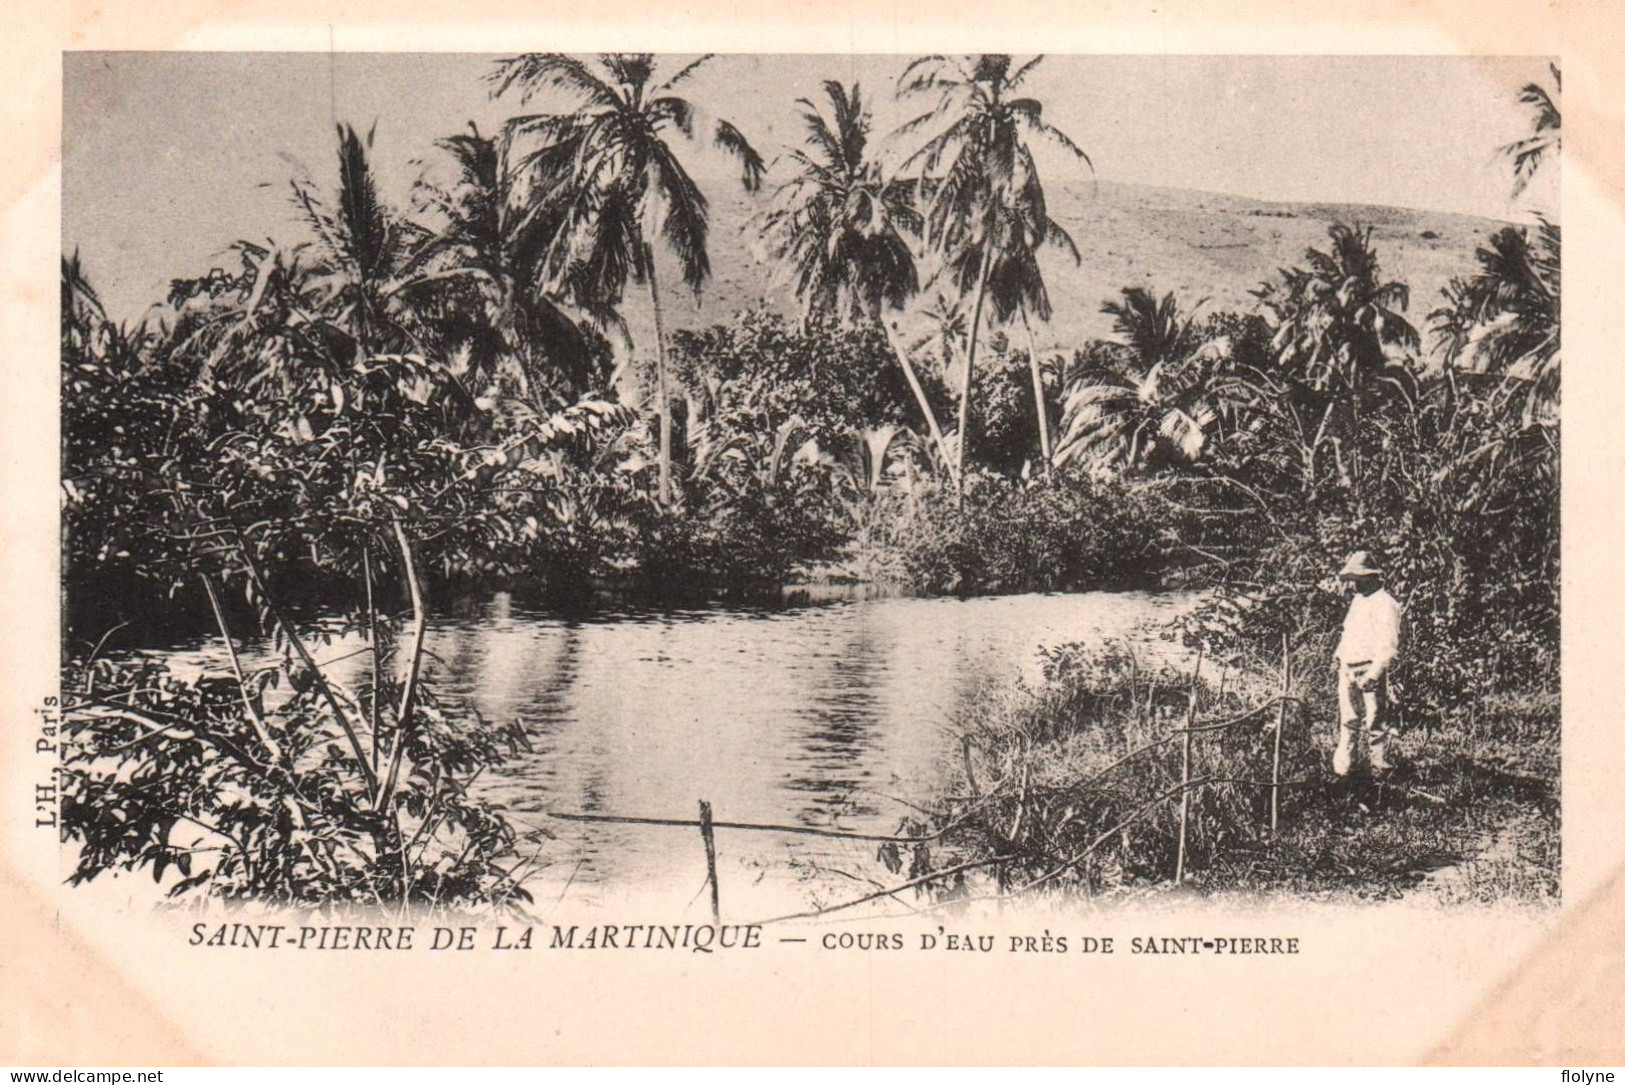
x,y
838,715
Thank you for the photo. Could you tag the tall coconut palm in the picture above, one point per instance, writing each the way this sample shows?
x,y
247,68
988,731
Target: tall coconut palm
x,y
986,197
840,228
1545,140
606,179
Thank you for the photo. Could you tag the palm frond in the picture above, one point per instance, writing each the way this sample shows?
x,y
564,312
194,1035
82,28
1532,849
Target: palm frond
x,y
1055,235
819,135
731,140
677,111
1546,138
1021,73
684,72
684,208
922,73
532,72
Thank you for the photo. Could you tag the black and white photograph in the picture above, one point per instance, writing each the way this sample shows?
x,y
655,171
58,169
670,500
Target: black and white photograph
x,y
796,492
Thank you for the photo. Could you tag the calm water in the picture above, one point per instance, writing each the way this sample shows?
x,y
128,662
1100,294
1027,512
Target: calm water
x,y
835,715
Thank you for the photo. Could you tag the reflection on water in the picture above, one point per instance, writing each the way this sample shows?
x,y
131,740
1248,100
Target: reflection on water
x,y
837,715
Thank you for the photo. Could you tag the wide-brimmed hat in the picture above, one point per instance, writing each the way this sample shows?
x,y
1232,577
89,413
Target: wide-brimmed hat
x,y
1359,564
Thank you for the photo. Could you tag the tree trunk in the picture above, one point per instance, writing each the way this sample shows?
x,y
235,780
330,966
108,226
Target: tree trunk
x,y
660,377
970,360
377,656
1355,471
925,406
1038,391
404,718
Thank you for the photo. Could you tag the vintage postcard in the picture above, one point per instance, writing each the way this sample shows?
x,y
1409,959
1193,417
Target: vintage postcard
x,y
813,542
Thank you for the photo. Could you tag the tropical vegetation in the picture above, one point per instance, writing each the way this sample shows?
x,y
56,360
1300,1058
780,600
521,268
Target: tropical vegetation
x,y
405,403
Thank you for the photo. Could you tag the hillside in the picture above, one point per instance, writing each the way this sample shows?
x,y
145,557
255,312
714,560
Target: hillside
x,y
1197,244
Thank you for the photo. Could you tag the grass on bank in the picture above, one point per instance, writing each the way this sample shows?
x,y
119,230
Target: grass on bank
x,y
1471,815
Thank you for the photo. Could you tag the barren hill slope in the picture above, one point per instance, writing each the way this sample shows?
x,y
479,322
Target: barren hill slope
x,y
1197,244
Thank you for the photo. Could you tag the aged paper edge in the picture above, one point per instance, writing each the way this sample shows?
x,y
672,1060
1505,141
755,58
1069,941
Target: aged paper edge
x,y
79,1004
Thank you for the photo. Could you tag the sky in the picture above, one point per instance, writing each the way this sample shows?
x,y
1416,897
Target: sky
x,y
170,157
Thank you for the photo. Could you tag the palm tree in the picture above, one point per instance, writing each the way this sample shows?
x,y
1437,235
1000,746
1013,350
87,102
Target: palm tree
x,y
1339,334
305,318
305,312
490,251
1337,322
840,228
1156,332
606,179
1153,396
361,250
986,211
1546,138
1505,318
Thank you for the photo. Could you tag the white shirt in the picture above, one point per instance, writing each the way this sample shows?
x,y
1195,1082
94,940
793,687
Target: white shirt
x,y
1371,630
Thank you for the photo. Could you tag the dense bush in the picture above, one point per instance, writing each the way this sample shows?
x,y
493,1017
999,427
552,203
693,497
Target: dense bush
x,y
831,377
1063,532
246,789
742,537
121,429
1458,504
1004,427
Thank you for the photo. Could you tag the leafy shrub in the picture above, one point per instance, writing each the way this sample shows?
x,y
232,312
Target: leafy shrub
x,y
1004,425
829,376
1065,532
739,533
251,791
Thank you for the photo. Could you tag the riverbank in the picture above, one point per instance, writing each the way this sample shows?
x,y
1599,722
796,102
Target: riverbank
x,y
1062,533
1071,788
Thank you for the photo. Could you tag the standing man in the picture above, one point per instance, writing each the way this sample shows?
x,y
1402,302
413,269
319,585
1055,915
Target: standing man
x,y
1365,653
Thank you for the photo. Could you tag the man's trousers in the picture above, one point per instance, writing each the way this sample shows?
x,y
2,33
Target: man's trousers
x,y
1364,704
